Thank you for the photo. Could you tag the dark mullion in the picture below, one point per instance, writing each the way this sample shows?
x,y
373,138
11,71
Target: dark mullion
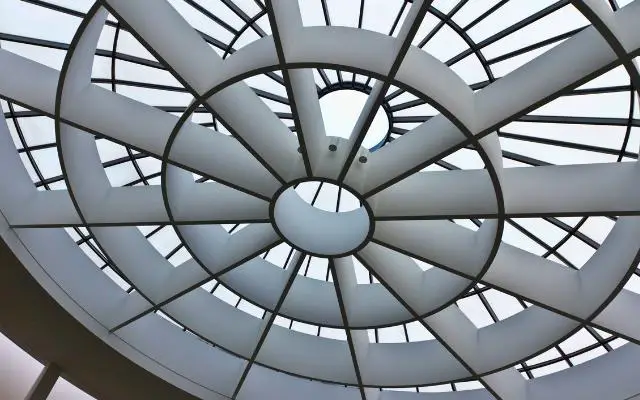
x,y
271,96
393,95
571,120
65,47
37,147
523,159
570,355
437,337
63,10
603,342
212,17
378,100
494,317
173,251
513,28
205,110
571,145
339,74
567,236
317,193
105,260
567,228
215,42
149,177
598,90
116,37
484,15
23,114
44,183
327,21
347,328
289,86
534,46
632,106
306,268
474,291
138,84
265,332
23,142
397,20
107,164
154,231
325,12
408,104
557,346
245,17
550,251
49,181
410,119
431,33
540,242
324,77
445,19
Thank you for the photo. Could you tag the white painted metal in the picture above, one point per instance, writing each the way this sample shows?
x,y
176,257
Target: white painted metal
x,y
261,159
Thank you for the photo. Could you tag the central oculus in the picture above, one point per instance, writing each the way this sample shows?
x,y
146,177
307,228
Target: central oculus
x,y
316,231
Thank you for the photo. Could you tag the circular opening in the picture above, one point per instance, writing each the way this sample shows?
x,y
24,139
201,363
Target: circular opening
x,y
321,219
327,196
341,109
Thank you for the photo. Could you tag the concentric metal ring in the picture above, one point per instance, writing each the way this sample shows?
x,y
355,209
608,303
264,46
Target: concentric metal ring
x,y
388,183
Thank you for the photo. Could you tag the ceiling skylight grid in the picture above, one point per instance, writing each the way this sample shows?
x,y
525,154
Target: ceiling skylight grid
x,y
454,236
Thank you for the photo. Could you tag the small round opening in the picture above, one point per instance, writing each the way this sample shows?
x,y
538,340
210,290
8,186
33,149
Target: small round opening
x,y
327,196
321,219
340,111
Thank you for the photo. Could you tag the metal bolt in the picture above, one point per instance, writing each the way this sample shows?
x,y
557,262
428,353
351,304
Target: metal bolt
x,y
363,159
333,147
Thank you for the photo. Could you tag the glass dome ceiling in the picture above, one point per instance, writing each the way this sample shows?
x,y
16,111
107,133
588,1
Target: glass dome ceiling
x,y
351,198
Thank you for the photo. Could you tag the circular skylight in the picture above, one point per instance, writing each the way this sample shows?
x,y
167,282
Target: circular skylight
x,y
334,199
343,108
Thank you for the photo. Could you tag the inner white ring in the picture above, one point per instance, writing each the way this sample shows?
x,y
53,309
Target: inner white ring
x,y
316,231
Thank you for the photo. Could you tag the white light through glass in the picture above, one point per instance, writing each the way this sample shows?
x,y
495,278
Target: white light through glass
x,y
341,110
497,235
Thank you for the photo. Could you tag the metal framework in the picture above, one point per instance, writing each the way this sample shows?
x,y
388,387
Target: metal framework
x,y
249,159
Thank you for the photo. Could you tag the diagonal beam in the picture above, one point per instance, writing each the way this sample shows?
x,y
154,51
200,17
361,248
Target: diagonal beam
x,y
454,329
286,22
141,205
344,280
578,295
430,290
615,317
566,66
528,192
190,59
406,35
459,336
293,268
138,125
231,252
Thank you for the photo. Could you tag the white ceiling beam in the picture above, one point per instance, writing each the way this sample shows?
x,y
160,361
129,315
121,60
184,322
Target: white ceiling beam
x,y
194,62
611,189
